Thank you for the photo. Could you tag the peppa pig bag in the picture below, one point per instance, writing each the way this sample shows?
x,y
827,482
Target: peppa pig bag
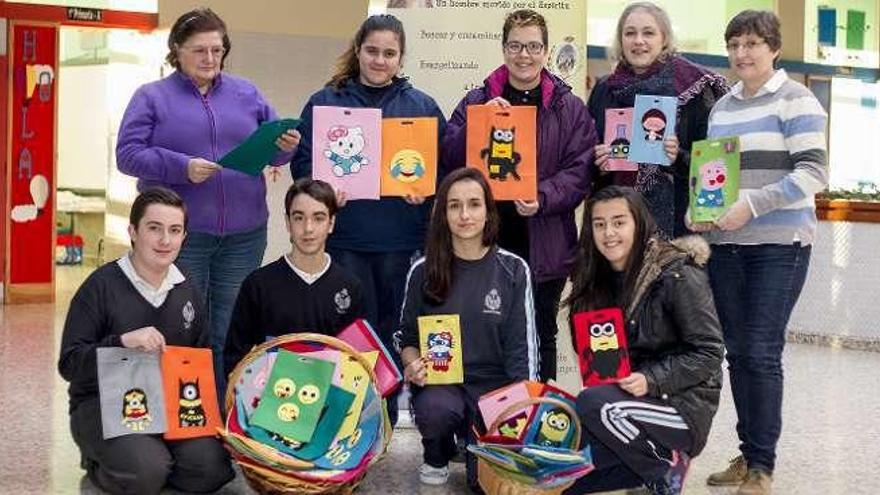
x,y
714,177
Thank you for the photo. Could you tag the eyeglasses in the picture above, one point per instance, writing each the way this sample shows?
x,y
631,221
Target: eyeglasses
x,y
748,46
203,51
515,47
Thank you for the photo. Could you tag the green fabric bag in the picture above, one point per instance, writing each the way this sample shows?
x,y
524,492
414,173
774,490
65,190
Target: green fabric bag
x,y
294,396
338,403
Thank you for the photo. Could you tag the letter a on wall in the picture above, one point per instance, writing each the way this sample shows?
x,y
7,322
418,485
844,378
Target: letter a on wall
x,y
31,179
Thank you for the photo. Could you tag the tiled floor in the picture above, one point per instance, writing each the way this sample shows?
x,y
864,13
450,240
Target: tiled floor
x,y
830,442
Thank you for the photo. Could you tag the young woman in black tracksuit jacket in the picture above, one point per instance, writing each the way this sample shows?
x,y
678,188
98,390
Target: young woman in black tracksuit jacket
x,y
465,273
644,429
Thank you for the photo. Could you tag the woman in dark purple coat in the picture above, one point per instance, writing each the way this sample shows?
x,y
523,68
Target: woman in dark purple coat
x,y
543,232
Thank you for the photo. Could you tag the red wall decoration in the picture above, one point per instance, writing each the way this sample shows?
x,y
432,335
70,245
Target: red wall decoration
x,y
33,62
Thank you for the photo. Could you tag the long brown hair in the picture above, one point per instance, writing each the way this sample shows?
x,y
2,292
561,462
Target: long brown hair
x,y
348,67
439,257
592,275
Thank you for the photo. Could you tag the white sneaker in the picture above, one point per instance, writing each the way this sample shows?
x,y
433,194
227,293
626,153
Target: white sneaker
x,y
431,475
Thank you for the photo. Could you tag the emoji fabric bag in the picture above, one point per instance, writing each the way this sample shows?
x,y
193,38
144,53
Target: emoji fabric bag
x,y
356,380
252,381
336,410
346,149
130,390
294,396
600,341
440,344
714,178
363,338
409,156
491,405
190,393
552,426
502,143
347,452
618,134
653,122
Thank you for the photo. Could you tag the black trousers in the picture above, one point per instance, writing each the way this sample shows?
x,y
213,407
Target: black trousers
x,y
143,464
633,440
441,412
547,296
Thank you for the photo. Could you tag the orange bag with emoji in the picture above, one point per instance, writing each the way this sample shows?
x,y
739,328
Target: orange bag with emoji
x,y
501,142
190,393
409,156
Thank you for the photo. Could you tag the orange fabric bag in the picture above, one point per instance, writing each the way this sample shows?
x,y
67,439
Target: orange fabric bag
x,y
501,142
190,393
409,156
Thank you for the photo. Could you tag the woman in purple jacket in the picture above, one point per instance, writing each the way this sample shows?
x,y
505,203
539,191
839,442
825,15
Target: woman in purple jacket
x,y
173,133
543,231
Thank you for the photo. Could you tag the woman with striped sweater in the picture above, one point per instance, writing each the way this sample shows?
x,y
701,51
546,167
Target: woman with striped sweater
x,y
761,246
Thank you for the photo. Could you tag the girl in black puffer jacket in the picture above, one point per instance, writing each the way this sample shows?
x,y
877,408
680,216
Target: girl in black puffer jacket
x,y
644,429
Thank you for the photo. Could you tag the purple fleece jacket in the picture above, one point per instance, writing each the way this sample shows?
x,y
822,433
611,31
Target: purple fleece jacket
x,y
168,122
566,137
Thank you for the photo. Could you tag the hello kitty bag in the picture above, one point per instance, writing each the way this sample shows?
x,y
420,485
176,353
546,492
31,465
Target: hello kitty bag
x,y
191,404
440,345
347,149
714,178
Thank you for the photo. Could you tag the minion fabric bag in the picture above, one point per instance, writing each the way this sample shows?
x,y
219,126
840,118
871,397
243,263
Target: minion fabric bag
x,y
130,390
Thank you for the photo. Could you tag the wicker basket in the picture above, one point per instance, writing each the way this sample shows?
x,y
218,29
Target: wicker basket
x,y
494,482
266,480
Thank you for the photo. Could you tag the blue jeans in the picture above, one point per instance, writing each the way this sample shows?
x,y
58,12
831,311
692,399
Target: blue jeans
x,y
218,265
383,278
755,289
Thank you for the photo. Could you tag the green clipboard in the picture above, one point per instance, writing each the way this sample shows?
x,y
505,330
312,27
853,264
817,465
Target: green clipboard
x,y
259,148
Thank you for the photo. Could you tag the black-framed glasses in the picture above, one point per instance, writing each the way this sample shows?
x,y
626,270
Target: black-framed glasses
x,y
515,47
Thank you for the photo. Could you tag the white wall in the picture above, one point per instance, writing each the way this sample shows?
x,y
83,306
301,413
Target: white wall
x,y
83,127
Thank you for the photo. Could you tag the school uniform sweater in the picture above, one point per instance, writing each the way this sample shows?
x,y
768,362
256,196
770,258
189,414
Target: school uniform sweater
x,y
493,298
274,300
108,305
784,160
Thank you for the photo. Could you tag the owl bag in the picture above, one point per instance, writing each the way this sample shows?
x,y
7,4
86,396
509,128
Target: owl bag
x,y
130,390
190,393
502,143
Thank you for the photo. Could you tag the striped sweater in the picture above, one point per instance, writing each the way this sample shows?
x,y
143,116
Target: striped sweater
x,y
784,159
